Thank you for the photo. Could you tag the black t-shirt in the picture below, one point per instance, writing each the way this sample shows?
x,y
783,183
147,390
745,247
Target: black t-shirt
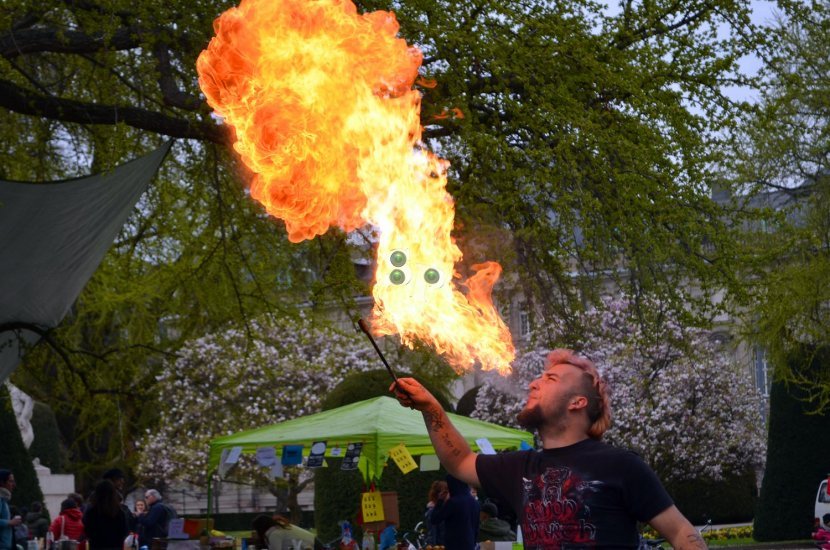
x,y
586,495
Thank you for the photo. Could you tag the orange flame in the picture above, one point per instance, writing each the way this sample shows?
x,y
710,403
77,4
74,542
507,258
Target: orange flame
x,y
321,101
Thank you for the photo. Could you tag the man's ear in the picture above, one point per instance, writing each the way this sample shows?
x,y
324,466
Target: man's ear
x,y
577,402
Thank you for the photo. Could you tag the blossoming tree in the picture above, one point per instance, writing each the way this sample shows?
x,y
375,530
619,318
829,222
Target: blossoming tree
x,y
678,399
240,379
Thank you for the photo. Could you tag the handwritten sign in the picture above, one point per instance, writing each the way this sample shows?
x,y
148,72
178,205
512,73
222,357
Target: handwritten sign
x,y
372,506
400,454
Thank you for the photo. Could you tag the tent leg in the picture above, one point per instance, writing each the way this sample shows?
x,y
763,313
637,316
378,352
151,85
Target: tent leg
x,y
209,498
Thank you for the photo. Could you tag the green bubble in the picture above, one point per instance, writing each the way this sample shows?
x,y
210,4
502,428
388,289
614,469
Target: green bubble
x,y
432,276
397,277
398,258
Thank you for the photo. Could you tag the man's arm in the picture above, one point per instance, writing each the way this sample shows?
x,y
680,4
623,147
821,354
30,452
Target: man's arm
x,y
677,530
453,452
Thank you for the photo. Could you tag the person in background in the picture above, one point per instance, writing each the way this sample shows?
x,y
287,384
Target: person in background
x,y
7,521
105,523
438,492
459,514
280,534
37,521
155,522
140,507
388,537
21,530
79,501
822,534
119,480
69,523
492,528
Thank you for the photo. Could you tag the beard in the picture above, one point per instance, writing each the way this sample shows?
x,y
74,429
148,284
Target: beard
x,y
532,418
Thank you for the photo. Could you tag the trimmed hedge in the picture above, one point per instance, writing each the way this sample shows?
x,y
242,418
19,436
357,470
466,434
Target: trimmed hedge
x,y
337,492
337,496
797,461
46,445
731,500
14,457
374,383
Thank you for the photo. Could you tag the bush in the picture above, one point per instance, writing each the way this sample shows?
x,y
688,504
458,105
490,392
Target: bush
x,y
337,496
796,461
731,500
375,383
14,457
337,492
46,445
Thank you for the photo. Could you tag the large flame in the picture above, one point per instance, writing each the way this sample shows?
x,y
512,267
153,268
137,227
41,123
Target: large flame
x,y
321,101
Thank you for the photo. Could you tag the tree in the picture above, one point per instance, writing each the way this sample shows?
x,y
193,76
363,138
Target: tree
x,y
576,153
231,380
677,399
784,159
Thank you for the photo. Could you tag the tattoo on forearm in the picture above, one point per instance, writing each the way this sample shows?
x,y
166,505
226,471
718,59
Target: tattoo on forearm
x,y
434,419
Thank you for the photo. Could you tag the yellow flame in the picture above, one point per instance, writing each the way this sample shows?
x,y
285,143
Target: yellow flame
x,y
324,113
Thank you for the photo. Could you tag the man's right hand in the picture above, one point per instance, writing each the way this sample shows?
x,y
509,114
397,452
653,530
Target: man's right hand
x,y
410,393
15,521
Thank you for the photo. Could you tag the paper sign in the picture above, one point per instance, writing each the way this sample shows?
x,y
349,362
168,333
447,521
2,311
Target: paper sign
x,y
315,458
371,505
336,451
430,463
525,446
266,456
400,454
352,456
485,446
233,455
175,529
224,467
276,470
292,455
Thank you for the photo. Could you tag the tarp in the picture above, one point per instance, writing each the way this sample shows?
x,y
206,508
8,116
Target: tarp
x,y
380,424
53,236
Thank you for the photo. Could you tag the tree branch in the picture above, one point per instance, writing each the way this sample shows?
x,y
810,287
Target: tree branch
x,y
28,102
172,95
38,40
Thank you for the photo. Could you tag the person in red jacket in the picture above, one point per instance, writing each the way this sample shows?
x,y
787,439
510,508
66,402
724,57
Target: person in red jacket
x,y
69,524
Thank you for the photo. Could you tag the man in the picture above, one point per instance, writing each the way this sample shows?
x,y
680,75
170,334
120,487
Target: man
x,y
7,522
157,519
491,527
576,492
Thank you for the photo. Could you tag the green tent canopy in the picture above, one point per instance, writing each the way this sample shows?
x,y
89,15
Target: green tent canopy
x,y
380,424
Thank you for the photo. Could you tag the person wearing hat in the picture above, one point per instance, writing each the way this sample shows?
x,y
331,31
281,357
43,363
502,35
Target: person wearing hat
x,y
490,527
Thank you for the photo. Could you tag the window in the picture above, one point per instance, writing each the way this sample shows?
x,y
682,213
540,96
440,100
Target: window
x,y
524,322
762,381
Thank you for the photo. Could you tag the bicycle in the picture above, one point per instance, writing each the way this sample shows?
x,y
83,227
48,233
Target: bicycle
x,y
417,538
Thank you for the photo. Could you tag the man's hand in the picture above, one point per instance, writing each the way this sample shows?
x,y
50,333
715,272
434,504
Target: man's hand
x,y
452,450
410,393
15,521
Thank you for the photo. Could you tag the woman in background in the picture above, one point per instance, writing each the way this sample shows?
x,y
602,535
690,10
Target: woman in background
x,y
105,523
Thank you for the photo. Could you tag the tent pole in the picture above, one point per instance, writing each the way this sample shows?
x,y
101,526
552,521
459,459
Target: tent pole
x,y
210,499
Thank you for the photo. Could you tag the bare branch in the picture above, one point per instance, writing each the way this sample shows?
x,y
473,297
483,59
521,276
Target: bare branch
x,y
39,40
28,102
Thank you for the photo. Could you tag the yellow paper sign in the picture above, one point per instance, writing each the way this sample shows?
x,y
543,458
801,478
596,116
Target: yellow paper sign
x,y
400,454
372,506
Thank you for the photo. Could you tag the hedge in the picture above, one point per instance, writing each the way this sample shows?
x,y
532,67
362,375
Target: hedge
x,y
14,457
797,461
731,500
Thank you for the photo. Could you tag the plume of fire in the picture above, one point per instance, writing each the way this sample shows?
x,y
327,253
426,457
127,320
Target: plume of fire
x,y
324,113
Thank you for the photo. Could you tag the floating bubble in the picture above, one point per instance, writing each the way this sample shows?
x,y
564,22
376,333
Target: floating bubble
x,y
397,258
397,277
432,276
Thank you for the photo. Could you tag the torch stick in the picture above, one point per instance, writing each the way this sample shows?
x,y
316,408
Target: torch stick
x,y
365,328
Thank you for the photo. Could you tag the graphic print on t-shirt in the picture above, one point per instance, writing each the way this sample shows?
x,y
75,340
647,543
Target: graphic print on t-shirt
x,y
556,514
